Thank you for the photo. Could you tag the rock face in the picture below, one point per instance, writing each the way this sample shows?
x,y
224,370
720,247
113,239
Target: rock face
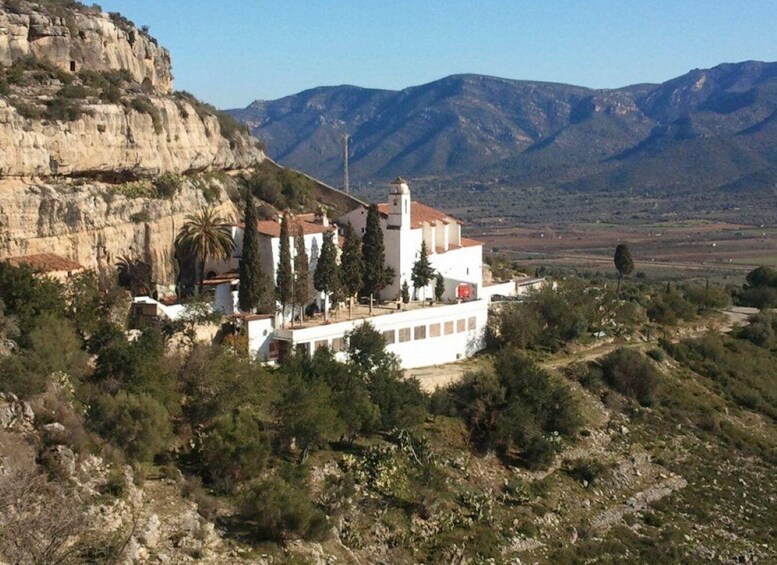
x,y
86,105
64,55
114,139
94,226
82,38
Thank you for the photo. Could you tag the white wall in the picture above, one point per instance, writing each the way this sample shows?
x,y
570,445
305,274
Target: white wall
x,y
402,248
260,334
459,265
415,352
226,299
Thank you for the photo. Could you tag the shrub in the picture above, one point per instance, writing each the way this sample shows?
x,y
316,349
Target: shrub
x,y
140,217
136,423
517,406
276,509
144,105
657,354
63,110
168,184
588,470
235,448
631,374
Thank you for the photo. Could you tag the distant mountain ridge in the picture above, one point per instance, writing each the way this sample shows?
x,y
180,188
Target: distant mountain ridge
x,y
707,128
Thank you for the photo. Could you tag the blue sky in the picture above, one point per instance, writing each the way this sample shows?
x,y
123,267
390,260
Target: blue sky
x,y
230,52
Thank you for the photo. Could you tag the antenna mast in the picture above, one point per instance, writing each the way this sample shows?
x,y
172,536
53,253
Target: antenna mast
x,y
346,137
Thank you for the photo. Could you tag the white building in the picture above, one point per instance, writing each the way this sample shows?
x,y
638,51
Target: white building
x,y
223,275
405,225
450,330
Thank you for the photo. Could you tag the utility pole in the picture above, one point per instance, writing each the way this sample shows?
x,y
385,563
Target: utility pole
x,y
346,137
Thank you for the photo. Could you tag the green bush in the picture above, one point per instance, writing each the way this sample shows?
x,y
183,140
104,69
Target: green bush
x,y
137,424
63,110
276,509
144,105
168,184
632,374
516,407
233,449
588,470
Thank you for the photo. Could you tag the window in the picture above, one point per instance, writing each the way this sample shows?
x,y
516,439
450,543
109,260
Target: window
x,y
390,336
405,206
321,344
448,327
338,344
419,332
471,323
404,334
434,330
467,270
460,325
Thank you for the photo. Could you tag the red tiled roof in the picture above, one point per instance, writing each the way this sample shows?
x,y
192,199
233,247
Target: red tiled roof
x,y
420,213
46,263
465,242
222,278
308,222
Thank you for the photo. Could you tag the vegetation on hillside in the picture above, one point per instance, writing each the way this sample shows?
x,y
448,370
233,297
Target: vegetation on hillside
x,y
321,447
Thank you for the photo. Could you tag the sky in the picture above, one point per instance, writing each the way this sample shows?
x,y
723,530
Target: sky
x,y
231,52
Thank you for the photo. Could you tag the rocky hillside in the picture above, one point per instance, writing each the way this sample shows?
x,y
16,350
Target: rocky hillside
x,y
706,129
99,157
84,93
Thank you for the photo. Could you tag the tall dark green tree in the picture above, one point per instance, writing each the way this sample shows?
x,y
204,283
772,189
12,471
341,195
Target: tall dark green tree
x,y
254,293
623,262
422,271
302,288
325,278
351,266
405,292
439,286
376,275
284,279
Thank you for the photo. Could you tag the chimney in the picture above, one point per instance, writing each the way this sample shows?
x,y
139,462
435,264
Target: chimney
x,y
322,218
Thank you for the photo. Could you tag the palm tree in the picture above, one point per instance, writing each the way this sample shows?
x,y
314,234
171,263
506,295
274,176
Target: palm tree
x,y
134,275
206,235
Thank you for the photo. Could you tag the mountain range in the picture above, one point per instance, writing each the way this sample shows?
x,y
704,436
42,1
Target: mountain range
x,y
709,128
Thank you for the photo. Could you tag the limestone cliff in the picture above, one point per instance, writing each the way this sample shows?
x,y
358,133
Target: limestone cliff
x,y
112,139
85,93
94,224
87,108
76,37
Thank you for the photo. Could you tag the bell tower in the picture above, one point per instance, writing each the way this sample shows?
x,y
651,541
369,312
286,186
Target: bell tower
x,y
399,205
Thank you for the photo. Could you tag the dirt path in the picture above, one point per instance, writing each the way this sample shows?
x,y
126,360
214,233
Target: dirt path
x,y
442,375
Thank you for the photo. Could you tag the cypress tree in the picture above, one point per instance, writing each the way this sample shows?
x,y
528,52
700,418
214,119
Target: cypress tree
x,y
325,277
302,286
351,266
439,287
422,271
623,262
253,293
376,275
284,279
405,292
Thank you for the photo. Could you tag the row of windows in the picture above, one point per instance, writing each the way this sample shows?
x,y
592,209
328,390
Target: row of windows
x,y
415,333
432,330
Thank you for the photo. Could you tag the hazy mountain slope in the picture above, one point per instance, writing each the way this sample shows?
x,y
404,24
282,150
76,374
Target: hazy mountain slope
x,y
703,129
